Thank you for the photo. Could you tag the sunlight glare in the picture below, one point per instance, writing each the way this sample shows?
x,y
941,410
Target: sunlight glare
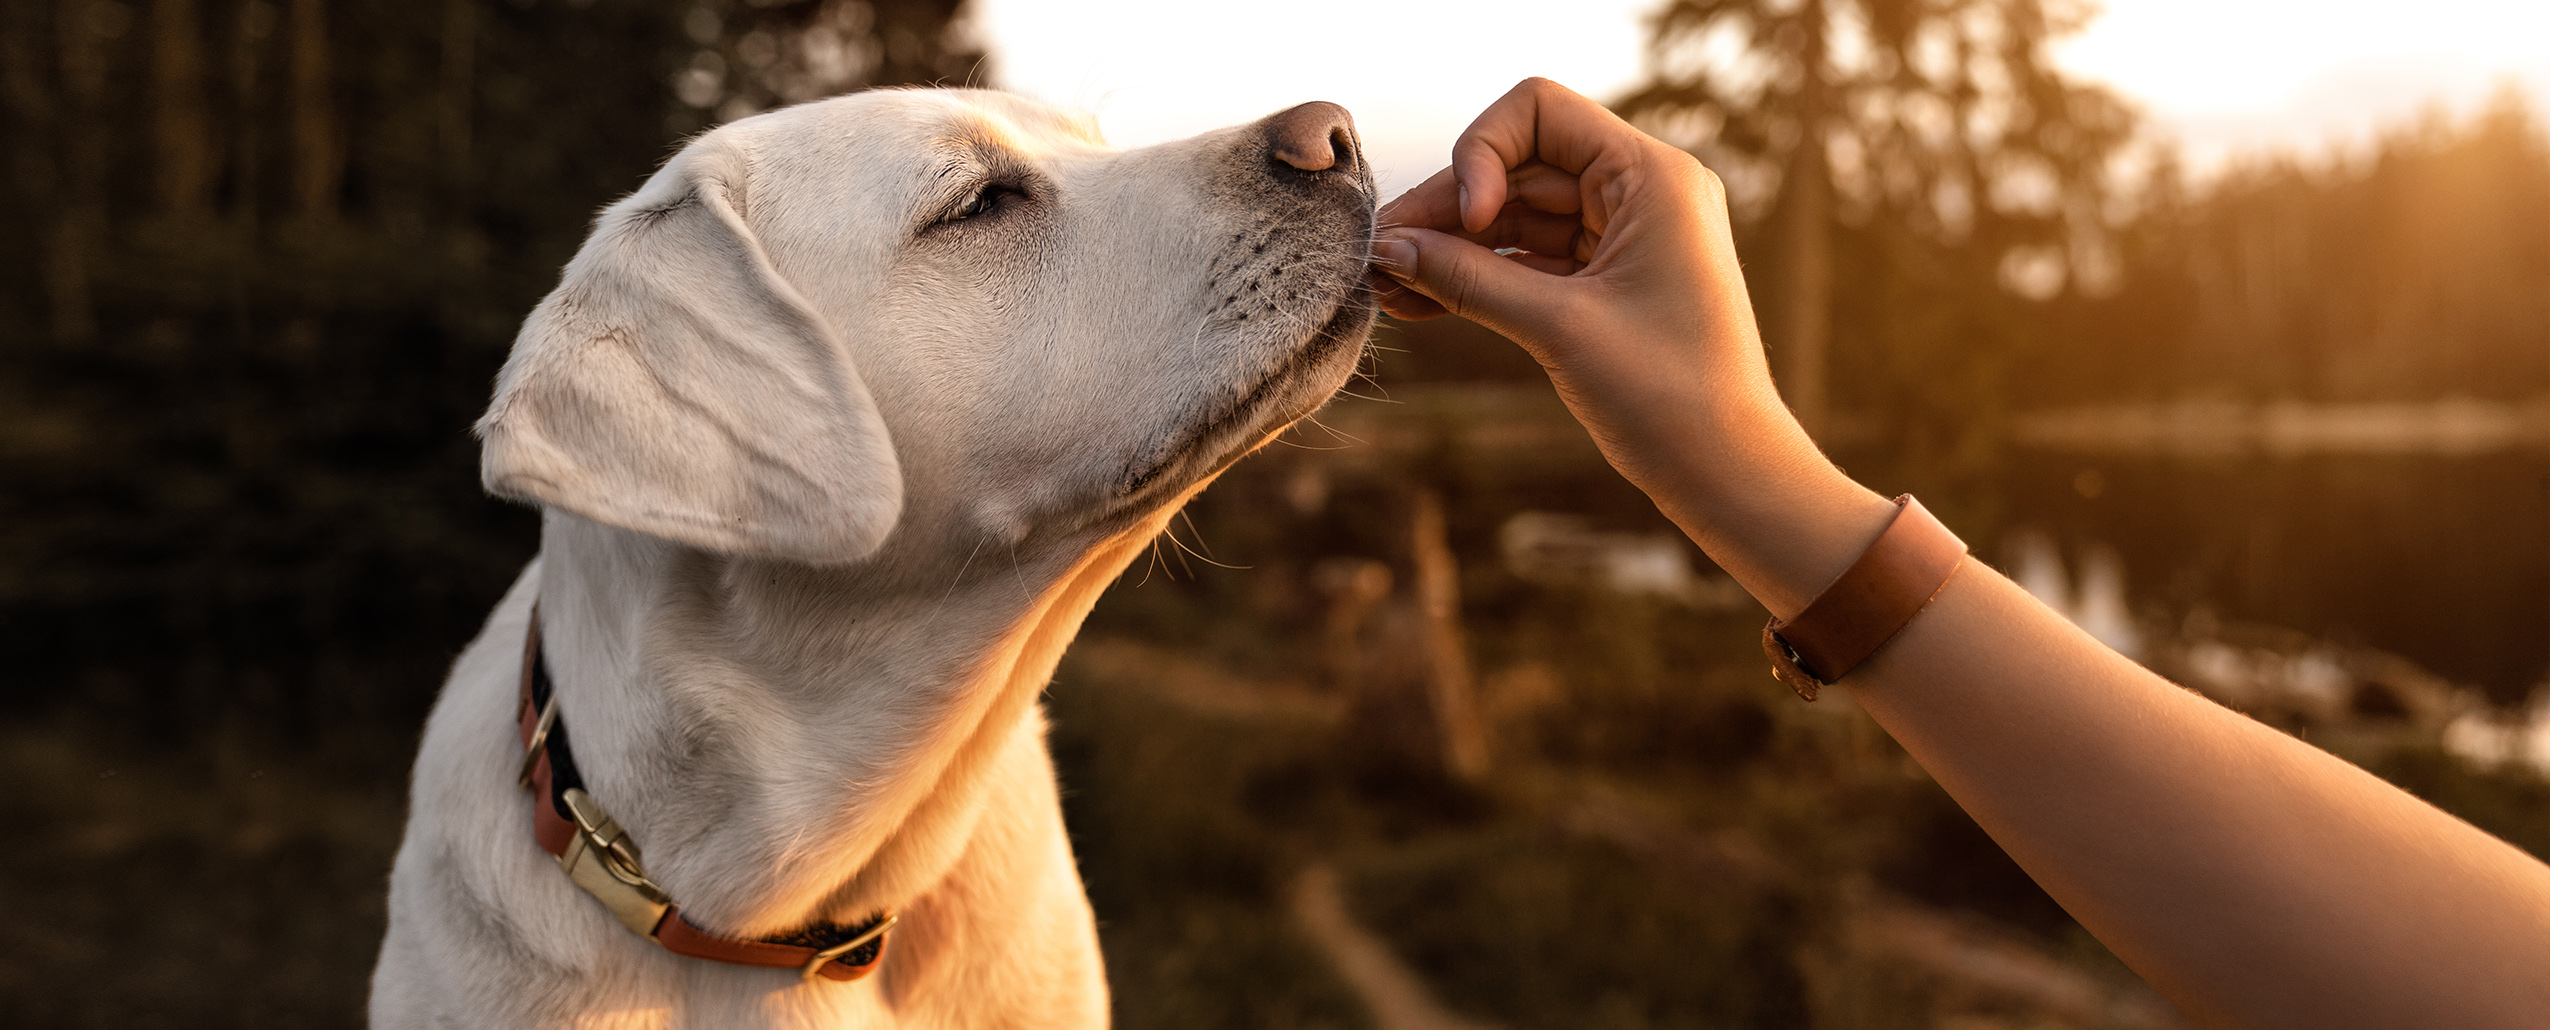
x,y
2222,75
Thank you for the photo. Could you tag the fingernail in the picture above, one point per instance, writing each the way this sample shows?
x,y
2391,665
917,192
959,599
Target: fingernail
x,y
1394,253
1464,213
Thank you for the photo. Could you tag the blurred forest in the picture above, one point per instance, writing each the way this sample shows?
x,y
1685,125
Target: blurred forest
x,y
2409,270
272,254
1947,231
1469,689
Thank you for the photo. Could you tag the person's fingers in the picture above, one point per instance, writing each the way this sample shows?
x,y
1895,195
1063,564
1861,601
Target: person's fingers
x,y
1587,243
1519,226
1536,119
1430,205
1467,279
1552,264
1555,244
1400,302
1544,187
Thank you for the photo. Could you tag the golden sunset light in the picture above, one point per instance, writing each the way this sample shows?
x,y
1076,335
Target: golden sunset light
x,y
868,514
2221,75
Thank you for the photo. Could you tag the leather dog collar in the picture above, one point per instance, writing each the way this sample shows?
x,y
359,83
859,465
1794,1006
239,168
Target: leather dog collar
x,y
599,856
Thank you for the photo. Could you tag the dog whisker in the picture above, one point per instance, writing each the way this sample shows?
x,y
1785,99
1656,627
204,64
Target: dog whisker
x,y
1307,447
1184,550
960,570
1151,566
1199,534
1324,427
1024,592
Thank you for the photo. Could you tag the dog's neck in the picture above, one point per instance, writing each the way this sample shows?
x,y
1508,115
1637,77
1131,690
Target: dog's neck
x,y
790,744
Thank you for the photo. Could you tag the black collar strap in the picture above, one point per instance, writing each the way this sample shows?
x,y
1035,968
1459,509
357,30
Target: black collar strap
x,y
599,856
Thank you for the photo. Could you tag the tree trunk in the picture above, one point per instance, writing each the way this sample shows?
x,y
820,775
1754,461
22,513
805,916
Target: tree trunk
x,y
317,160
1805,323
460,52
1356,587
1448,680
185,171
79,218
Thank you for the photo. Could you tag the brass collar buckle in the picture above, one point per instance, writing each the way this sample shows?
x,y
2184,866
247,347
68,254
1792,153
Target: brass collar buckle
x,y
602,860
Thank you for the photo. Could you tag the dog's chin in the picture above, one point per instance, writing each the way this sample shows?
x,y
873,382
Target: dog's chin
x,y
1320,364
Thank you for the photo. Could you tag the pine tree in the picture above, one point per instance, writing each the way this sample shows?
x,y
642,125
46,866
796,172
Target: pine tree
x,y
1935,136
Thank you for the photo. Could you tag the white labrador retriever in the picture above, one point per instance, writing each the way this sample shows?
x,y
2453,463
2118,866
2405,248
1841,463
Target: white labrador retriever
x,y
840,424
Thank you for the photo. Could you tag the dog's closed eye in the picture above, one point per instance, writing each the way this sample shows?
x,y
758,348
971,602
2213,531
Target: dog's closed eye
x,y
991,198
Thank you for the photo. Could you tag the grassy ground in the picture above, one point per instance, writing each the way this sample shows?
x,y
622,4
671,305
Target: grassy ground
x,y
202,886
1665,838
1700,858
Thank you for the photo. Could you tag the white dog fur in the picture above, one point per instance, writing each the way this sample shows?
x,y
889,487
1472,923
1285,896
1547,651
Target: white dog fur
x,y
840,424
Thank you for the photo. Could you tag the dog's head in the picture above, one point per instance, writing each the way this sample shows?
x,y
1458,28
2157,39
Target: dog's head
x,y
940,306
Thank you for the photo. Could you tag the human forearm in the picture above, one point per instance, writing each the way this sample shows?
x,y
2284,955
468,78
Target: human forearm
x,y
2256,880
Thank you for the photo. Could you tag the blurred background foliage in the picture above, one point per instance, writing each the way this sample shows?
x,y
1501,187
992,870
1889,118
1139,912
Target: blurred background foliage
x,y
1466,702
272,254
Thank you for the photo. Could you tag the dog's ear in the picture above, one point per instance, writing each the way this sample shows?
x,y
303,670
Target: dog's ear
x,y
674,384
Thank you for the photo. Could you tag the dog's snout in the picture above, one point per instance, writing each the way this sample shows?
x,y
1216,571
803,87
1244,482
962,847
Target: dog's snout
x,y
1316,137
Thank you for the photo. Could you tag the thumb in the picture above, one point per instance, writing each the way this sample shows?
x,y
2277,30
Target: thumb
x,y
1467,279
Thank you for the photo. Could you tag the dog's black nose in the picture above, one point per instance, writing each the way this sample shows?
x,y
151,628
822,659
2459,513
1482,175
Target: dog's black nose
x,y
1316,137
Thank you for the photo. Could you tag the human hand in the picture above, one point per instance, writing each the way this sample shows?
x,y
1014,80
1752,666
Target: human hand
x,y
1620,277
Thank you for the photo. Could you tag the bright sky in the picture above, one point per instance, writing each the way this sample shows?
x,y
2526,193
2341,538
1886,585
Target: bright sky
x,y
2240,74
2225,75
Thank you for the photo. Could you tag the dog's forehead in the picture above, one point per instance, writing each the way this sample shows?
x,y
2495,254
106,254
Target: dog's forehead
x,y
1015,121
888,154
946,121
887,150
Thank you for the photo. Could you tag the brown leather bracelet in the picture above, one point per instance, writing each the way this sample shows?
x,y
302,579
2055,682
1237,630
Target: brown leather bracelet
x,y
1891,582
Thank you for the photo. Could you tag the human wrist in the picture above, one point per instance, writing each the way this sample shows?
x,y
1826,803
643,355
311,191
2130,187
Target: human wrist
x,y
1767,506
